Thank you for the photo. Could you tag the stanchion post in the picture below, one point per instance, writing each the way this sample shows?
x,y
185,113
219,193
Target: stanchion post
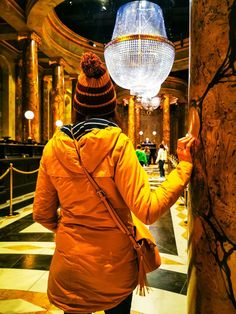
x,y
11,189
10,170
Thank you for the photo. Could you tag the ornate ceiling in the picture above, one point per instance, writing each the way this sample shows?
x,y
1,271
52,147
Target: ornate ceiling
x,y
69,28
95,19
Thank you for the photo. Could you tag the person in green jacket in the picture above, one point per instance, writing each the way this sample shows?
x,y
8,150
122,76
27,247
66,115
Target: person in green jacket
x,y
141,155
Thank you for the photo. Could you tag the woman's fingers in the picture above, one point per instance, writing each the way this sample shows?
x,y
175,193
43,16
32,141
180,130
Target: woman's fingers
x,y
183,148
182,142
190,143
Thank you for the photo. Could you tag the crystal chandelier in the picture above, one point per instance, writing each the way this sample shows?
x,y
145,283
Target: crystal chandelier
x,y
149,104
139,57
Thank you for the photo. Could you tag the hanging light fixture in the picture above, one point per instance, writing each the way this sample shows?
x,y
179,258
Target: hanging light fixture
x,y
150,104
139,57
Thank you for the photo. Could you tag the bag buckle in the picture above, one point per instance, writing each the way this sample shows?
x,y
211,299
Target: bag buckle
x,y
101,193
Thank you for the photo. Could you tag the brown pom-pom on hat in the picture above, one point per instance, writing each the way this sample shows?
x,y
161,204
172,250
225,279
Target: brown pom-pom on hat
x,y
95,94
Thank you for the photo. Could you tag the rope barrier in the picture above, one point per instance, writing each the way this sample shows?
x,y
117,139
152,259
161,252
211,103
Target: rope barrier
x,y
4,174
10,170
25,172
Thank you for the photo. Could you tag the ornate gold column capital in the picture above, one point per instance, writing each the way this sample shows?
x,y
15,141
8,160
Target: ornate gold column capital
x,y
73,77
57,61
165,96
171,99
47,78
31,36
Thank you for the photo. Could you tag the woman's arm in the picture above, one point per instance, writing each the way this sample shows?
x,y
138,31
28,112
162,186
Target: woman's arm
x,y
132,183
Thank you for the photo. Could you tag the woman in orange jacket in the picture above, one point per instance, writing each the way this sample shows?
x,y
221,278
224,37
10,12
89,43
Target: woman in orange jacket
x,y
94,266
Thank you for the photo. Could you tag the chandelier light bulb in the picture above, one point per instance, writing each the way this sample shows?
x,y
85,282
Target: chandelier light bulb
x,y
139,54
150,104
155,102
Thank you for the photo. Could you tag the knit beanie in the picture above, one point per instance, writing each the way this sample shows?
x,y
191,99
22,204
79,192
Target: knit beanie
x,y
95,94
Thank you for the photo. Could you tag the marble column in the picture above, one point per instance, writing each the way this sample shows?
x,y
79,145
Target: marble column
x,y
131,120
74,80
166,120
58,91
212,211
19,130
137,124
30,88
47,109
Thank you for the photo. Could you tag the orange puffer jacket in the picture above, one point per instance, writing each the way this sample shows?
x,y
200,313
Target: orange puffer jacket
x,y
94,266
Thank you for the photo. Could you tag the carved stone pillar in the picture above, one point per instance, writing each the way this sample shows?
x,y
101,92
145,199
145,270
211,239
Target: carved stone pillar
x,y
19,130
30,82
74,80
166,120
47,109
58,92
212,213
131,120
137,124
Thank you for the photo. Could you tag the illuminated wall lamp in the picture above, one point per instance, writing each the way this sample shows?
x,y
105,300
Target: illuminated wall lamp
x,y
29,115
59,123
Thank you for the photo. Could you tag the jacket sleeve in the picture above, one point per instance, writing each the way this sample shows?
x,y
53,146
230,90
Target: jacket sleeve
x,y
132,183
45,201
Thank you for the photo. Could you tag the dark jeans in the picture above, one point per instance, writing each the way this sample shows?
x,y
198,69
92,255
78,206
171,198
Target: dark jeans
x,y
161,168
122,308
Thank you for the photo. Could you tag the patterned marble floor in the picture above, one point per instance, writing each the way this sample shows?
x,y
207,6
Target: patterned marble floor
x,y
26,249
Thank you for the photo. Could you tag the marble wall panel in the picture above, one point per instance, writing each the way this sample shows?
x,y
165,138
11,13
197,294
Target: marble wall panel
x,y
212,243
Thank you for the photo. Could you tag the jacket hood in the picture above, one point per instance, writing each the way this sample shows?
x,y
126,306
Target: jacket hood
x,y
93,147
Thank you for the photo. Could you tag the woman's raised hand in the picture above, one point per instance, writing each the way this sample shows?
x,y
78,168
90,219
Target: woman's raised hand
x,y
184,145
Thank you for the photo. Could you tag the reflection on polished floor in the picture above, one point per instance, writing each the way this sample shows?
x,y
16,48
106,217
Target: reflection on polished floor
x,y
26,249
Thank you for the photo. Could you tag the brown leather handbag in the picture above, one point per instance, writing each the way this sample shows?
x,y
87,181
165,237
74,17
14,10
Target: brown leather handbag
x,y
143,242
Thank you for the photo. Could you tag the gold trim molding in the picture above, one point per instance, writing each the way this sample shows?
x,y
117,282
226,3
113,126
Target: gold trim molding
x,y
57,61
31,36
139,36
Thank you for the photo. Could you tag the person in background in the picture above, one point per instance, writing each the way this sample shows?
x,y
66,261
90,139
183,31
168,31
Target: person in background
x,y
147,153
94,266
141,155
147,141
152,147
161,159
165,146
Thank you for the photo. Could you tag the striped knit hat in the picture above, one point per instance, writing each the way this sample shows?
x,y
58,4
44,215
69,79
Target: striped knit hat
x,y
95,94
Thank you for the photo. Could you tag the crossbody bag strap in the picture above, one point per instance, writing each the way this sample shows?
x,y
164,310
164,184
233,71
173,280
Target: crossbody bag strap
x,y
101,194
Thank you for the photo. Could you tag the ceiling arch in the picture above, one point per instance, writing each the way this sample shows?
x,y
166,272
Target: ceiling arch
x,y
57,39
